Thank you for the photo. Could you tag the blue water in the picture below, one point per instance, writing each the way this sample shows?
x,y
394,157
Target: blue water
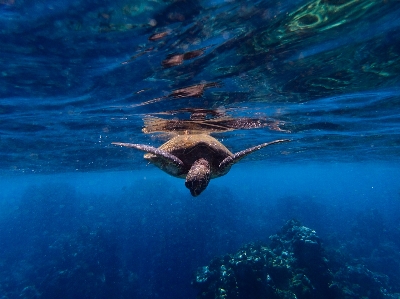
x,y
82,218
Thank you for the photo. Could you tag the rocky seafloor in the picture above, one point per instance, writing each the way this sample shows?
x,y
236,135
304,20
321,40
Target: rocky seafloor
x,y
58,243
294,265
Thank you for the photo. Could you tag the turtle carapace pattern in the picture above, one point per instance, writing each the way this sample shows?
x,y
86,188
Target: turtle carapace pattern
x,y
195,157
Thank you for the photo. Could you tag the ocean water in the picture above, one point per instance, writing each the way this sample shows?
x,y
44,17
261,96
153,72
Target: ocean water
x,y
83,218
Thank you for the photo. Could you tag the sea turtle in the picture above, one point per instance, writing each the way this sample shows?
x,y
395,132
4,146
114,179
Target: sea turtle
x,y
196,157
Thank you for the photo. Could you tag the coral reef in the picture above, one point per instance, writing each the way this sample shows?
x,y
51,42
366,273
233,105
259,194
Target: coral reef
x,y
294,265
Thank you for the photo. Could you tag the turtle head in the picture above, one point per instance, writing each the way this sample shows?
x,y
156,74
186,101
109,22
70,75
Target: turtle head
x,y
198,177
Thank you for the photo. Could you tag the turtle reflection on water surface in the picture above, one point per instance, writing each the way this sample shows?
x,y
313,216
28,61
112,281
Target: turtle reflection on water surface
x,y
196,157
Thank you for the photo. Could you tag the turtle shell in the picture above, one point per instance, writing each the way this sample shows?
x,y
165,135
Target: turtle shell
x,y
189,148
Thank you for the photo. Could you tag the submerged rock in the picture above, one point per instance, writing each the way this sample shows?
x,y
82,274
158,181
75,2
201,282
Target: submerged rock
x,y
294,265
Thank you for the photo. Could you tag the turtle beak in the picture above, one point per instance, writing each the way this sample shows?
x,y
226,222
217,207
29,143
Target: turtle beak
x,y
198,177
195,192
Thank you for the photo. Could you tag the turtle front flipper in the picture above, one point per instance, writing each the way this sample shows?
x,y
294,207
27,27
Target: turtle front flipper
x,y
229,161
169,158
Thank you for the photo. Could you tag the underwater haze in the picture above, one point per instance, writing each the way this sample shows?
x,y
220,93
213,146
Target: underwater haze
x,y
314,217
